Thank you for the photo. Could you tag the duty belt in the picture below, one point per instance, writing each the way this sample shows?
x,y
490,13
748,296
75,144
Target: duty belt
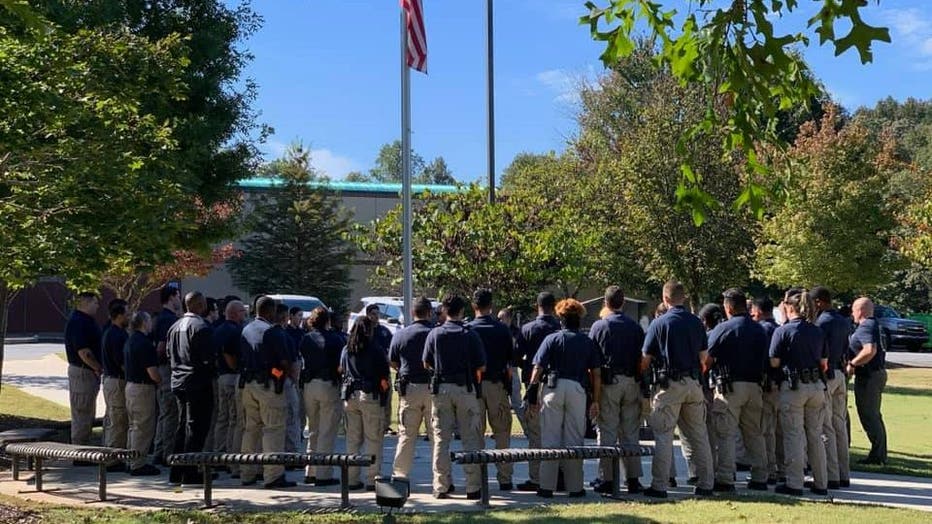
x,y
678,374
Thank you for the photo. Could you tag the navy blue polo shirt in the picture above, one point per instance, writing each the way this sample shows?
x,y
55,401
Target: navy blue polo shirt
x,y
382,337
769,325
619,340
868,332
530,338
571,353
497,343
368,366
139,355
798,344
454,351
81,332
163,322
321,353
276,341
296,334
741,344
407,350
837,329
678,336
112,351
226,342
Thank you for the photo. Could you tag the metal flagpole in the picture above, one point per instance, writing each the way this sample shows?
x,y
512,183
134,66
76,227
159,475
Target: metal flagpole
x,y
407,266
490,97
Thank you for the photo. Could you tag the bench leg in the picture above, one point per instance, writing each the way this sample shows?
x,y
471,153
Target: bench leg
x,y
102,481
208,487
14,461
344,487
38,465
616,474
484,485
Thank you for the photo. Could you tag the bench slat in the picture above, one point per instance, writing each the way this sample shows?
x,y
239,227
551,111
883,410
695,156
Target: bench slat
x,y
58,450
264,459
568,453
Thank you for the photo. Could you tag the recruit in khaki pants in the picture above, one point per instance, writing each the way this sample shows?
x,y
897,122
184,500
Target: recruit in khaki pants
x,y
413,409
455,403
82,395
140,410
532,430
835,428
324,410
739,411
681,404
167,423
364,426
263,428
619,422
226,413
773,434
801,416
563,423
116,424
495,406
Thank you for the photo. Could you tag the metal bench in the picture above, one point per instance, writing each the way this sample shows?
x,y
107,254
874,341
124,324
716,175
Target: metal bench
x,y
39,451
14,436
484,457
209,460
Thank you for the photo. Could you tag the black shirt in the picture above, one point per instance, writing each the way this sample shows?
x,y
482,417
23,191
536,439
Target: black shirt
x,y
81,332
191,353
226,342
366,368
163,322
497,343
619,340
454,351
139,355
741,344
868,332
321,353
678,336
571,353
532,335
798,344
837,329
407,350
112,351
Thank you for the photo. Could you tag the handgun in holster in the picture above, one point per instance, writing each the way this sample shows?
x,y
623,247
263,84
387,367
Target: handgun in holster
x,y
278,380
401,385
242,381
478,387
552,379
608,376
435,384
383,398
793,377
346,390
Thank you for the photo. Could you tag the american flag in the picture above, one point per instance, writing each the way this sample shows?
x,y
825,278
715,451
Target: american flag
x,y
417,37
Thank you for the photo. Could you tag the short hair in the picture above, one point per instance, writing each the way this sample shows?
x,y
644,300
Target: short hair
x,y
371,306
230,298
138,320
117,308
614,297
295,310
571,311
281,311
674,291
711,315
763,303
167,292
453,304
482,298
423,307
193,298
265,307
792,291
115,302
546,300
736,299
86,296
319,318
821,293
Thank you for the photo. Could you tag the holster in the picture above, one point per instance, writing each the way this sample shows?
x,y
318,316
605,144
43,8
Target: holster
x,y
435,384
346,390
552,379
279,384
242,381
608,376
401,385
478,389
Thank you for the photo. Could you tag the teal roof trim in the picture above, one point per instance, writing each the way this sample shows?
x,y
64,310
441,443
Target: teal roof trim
x,y
350,187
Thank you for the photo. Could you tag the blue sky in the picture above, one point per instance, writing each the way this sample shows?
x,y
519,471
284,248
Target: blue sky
x,y
328,75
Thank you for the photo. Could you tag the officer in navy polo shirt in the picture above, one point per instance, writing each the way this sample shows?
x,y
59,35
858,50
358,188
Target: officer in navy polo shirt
x,y
762,312
228,431
867,364
82,348
114,379
142,374
167,426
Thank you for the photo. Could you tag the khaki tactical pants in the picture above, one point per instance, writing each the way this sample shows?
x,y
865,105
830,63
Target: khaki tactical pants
x,y
116,423
263,428
141,415
364,431
224,429
167,424
324,411
835,427
683,404
294,438
801,416
413,409
619,423
532,430
739,412
387,409
563,423
495,406
83,387
773,434
454,403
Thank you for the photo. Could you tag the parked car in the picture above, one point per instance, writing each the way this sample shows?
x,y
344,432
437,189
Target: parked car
x,y
391,311
305,302
902,333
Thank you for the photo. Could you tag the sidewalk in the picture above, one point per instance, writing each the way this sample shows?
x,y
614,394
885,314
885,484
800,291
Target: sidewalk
x,y
46,377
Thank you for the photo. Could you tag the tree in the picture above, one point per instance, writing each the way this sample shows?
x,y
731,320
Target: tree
x,y
357,176
296,238
630,123
744,67
436,172
388,164
832,226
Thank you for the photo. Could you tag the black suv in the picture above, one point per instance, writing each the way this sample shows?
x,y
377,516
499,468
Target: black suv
x,y
903,333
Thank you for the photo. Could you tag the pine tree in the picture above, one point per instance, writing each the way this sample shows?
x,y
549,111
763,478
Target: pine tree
x,y
297,240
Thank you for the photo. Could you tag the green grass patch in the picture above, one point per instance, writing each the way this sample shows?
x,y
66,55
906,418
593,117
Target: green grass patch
x,y
16,403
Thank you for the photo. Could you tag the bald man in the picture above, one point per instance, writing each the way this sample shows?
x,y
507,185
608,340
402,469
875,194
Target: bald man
x,y
228,430
867,352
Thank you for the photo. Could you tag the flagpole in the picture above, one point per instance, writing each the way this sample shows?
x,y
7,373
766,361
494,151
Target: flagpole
x,y
490,98
407,266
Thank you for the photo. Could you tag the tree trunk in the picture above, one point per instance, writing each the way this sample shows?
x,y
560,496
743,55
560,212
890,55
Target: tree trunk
x,y
5,298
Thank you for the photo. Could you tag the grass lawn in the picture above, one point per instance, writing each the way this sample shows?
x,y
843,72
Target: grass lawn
x,y
907,413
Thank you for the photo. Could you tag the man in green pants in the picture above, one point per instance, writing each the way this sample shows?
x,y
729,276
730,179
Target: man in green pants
x,y
868,357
